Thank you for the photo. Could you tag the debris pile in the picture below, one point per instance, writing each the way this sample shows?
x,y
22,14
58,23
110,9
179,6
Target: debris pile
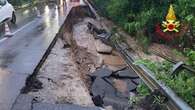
x,y
113,88
112,82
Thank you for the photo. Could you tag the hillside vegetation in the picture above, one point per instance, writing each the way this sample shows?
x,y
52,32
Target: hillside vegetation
x,y
142,19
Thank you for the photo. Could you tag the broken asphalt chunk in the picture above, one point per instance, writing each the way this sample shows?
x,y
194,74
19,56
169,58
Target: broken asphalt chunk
x,y
137,81
102,72
131,86
98,100
102,88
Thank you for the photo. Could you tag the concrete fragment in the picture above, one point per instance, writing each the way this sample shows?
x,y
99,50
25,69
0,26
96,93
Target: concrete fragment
x,y
23,102
98,100
102,48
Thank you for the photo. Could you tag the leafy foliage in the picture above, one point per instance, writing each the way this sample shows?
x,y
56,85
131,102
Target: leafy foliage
x,y
182,84
143,90
141,16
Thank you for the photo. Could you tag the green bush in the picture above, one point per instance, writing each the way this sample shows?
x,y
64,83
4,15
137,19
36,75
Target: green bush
x,y
142,15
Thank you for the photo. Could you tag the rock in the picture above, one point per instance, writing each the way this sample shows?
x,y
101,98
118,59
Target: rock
x,y
23,102
102,48
102,88
128,73
44,106
102,72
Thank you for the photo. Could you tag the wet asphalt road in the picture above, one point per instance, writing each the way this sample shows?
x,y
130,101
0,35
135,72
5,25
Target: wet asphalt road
x,y
20,54
23,17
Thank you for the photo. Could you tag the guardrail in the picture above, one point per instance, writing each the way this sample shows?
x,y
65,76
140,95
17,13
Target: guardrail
x,y
174,62
174,102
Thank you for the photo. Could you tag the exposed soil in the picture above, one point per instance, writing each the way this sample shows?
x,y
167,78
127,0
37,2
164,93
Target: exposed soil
x,y
89,61
85,54
61,80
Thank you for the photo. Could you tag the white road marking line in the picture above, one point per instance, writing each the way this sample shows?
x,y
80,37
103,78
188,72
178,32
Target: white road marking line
x,y
3,39
20,29
23,27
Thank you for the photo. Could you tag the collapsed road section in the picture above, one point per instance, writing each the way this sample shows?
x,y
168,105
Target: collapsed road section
x,y
80,73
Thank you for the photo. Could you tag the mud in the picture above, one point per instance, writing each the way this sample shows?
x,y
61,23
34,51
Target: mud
x,y
60,80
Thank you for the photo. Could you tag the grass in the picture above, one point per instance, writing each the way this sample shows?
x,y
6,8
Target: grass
x,y
182,84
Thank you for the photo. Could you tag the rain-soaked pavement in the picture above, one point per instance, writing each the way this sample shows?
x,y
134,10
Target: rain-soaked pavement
x,y
23,16
20,54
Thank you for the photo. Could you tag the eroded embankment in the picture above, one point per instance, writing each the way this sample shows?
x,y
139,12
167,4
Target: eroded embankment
x,y
83,70
58,81
109,80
